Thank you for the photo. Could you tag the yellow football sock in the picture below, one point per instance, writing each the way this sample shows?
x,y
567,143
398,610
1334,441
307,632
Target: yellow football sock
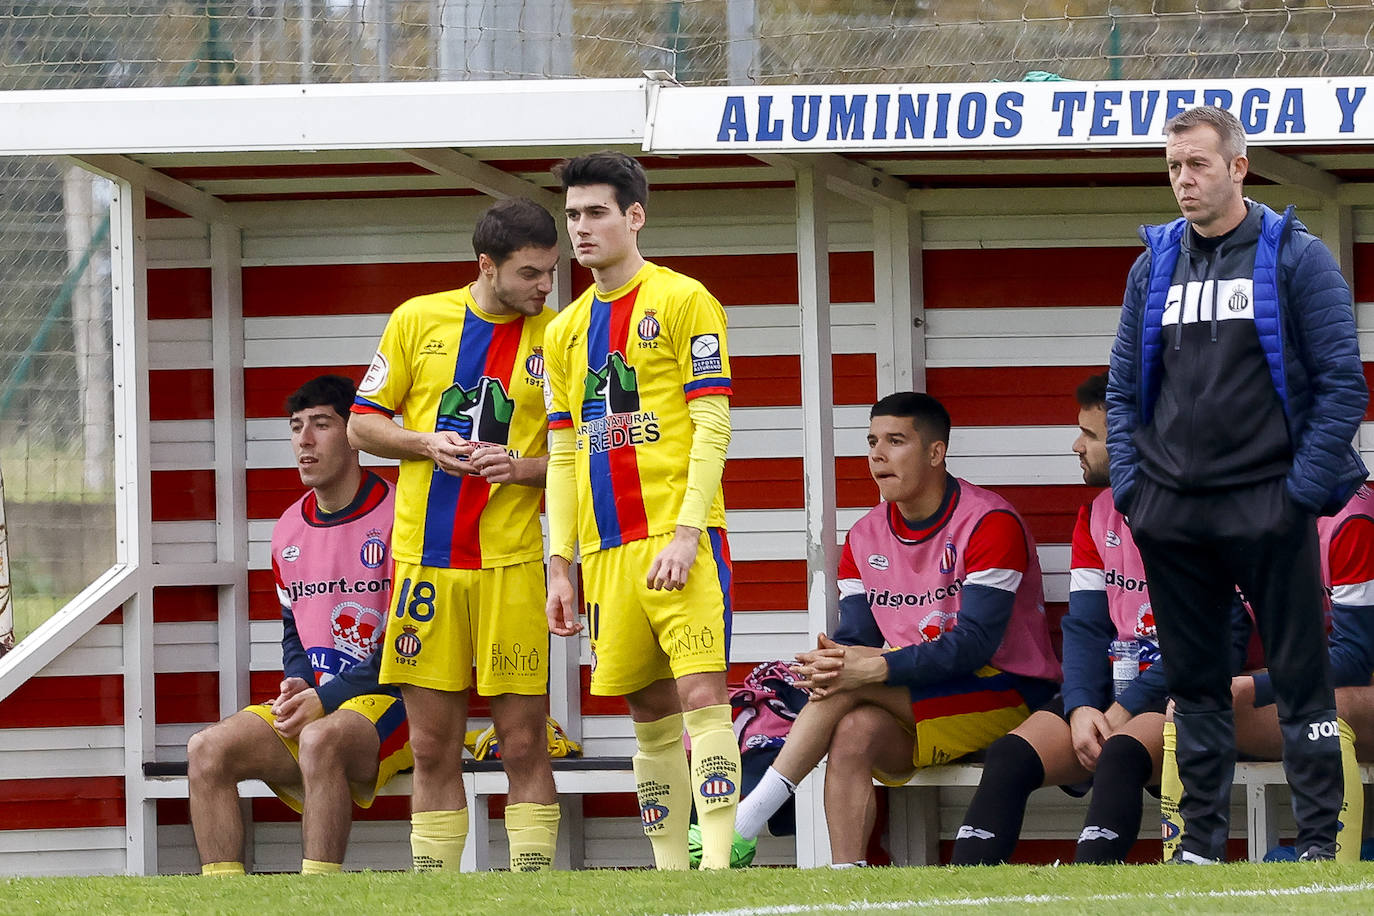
x,y
533,834
715,781
1170,793
661,782
437,838
316,867
220,869
1352,808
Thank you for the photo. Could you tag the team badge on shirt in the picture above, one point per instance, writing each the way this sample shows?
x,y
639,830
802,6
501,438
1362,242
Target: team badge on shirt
x,y
534,363
947,559
373,553
648,326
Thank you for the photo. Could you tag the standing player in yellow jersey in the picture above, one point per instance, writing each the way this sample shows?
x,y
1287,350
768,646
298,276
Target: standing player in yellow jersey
x,y
465,369
638,382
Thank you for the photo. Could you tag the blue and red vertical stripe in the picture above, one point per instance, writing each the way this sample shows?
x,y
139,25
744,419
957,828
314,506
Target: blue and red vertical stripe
x,y
617,500
453,536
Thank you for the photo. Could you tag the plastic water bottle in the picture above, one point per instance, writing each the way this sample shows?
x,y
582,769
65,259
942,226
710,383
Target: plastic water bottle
x,y
1125,664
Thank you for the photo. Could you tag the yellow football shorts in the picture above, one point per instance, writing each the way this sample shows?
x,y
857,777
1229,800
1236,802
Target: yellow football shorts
x,y
445,621
638,635
387,714
960,716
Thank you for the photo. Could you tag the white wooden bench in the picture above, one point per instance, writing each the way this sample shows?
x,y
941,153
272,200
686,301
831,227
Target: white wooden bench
x,y
914,809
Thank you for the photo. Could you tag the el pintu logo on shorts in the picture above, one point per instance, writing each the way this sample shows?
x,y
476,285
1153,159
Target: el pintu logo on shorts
x,y
948,558
373,553
408,644
717,785
705,354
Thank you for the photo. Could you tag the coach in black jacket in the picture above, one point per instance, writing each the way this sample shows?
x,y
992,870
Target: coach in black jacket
x,y
1234,393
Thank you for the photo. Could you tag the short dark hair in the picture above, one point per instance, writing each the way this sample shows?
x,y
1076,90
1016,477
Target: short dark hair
x,y
509,225
324,391
927,415
1092,392
1227,126
622,172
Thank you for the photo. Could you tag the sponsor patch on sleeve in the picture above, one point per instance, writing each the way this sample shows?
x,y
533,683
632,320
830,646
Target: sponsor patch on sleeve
x,y
706,354
376,375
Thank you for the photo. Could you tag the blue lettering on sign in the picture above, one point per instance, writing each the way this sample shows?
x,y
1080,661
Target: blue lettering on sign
x,y
973,115
1068,104
1103,123
880,103
1221,98
1009,108
1291,119
911,116
770,128
800,104
1348,105
1143,110
1176,100
941,116
846,121
1254,115
732,120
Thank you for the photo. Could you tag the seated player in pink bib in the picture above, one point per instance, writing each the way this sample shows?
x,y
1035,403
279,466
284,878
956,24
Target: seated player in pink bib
x,y
942,644
334,735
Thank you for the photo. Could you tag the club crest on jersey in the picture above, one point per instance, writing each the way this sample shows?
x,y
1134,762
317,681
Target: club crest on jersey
x,y
878,561
291,553
1238,301
1113,539
534,363
373,553
706,354
652,813
717,785
482,413
948,558
648,326
408,644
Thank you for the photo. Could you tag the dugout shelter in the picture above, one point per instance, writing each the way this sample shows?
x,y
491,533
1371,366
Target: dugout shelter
x,y
969,240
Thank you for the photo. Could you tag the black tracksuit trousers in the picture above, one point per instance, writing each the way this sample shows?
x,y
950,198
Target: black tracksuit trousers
x,y
1197,547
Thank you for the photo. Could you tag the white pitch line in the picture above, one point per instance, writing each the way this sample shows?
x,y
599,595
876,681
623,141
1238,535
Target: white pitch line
x,y
867,906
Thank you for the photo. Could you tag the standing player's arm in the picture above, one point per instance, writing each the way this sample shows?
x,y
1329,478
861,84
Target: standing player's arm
x,y
378,434
497,465
560,503
710,416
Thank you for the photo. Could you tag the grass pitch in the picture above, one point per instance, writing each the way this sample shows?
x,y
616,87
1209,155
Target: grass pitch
x,y
1237,888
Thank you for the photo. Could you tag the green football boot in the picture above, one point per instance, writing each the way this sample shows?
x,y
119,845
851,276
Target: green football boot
x,y
741,850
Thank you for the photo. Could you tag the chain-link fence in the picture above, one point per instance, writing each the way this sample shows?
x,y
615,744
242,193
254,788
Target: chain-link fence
x,y
54,293
56,431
